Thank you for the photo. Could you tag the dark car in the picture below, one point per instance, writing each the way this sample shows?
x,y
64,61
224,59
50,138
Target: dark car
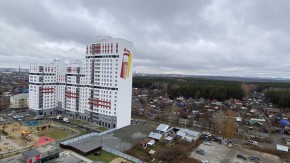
x,y
241,157
200,151
255,159
217,139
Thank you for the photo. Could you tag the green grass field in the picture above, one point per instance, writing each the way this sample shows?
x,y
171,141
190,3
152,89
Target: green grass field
x,y
101,129
77,121
104,157
56,133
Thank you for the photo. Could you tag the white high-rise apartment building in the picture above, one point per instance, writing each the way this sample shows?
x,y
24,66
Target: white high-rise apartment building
x,y
98,91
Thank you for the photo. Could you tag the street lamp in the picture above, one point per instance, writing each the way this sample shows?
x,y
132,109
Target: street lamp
x,y
188,120
120,145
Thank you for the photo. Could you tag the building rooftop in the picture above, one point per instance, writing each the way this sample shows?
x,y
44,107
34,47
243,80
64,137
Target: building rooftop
x,y
21,96
162,127
186,132
31,153
155,135
273,110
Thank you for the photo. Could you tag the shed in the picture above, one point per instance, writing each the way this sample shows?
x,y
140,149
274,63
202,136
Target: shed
x,y
287,141
31,156
155,136
169,139
239,119
188,135
162,128
273,111
151,142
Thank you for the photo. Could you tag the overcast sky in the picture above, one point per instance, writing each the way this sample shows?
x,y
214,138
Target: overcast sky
x,y
193,37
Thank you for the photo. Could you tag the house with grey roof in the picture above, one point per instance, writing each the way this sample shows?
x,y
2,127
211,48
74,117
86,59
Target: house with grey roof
x,y
188,135
164,130
155,136
31,156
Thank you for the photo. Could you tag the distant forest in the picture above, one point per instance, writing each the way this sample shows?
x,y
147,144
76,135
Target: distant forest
x,y
195,88
280,98
275,92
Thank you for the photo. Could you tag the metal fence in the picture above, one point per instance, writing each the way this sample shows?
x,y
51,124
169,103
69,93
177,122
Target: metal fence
x,y
113,151
121,154
87,136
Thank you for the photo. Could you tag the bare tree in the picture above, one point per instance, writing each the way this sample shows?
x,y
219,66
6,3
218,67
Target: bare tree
x,y
225,123
219,122
230,124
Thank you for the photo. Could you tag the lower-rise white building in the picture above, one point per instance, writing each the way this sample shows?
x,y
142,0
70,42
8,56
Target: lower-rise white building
x,y
19,101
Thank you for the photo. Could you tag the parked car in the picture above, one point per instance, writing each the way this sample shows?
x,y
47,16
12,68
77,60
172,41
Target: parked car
x,y
255,159
207,143
206,134
38,117
217,139
200,151
59,117
253,142
18,116
66,120
2,119
241,157
10,114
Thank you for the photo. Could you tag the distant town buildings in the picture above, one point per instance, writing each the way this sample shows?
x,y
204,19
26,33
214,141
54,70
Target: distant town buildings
x,y
97,91
4,102
19,101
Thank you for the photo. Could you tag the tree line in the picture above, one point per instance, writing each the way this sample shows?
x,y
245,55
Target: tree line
x,y
280,98
191,87
218,92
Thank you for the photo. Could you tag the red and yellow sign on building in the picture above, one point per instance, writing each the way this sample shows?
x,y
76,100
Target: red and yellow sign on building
x,y
126,64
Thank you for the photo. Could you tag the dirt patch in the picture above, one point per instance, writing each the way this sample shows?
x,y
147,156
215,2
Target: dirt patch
x,y
14,132
118,160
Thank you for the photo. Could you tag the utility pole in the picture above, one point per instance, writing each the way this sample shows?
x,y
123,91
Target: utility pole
x,y
120,145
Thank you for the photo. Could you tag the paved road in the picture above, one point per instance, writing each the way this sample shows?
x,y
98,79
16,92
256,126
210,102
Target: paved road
x,y
218,153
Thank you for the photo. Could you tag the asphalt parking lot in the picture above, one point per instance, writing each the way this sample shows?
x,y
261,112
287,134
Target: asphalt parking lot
x,y
218,153
215,153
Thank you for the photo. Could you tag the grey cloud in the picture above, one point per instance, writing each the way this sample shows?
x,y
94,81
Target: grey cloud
x,y
203,37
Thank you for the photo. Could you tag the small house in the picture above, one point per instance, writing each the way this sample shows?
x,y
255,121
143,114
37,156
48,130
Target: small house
x,y
31,156
287,141
162,129
272,111
155,136
188,135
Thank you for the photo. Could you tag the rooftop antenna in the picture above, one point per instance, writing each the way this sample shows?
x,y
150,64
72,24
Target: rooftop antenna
x,y
19,73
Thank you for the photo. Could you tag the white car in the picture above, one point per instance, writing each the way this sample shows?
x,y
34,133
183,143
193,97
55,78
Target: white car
x,y
207,143
206,133
66,120
253,142
205,161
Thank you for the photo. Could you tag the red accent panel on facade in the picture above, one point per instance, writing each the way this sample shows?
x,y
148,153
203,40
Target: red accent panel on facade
x,y
97,100
46,88
47,92
70,93
96,48
107,106
71,96
68,69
